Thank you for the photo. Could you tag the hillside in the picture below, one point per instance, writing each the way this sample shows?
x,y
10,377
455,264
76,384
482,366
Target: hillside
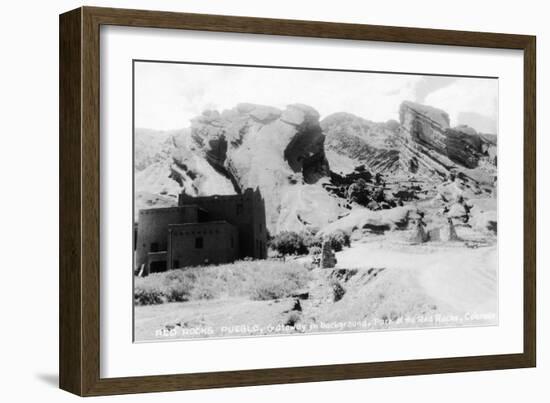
x,y
308,169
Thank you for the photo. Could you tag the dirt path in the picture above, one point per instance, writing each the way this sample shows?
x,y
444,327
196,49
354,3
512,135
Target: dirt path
x,y
462,278
467,282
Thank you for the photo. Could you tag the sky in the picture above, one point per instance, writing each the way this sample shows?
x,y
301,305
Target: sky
x,y
169,95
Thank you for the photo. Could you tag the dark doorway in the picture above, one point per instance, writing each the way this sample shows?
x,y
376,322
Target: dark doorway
x,y
158,266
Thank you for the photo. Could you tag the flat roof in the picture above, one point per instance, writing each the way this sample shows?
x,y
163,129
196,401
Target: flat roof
x,y
172,208
199,224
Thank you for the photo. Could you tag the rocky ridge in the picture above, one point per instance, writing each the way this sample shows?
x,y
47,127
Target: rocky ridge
x,y
293,158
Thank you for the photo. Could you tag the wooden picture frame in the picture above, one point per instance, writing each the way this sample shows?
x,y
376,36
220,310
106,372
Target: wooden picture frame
x,y
79,348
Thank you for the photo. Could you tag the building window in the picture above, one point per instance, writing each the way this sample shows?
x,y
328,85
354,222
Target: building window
x,y
232,243
199,242
158,266
260,228
240,208
176,264
154,247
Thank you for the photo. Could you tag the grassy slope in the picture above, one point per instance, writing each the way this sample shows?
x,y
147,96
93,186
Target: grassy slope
x,y
256,280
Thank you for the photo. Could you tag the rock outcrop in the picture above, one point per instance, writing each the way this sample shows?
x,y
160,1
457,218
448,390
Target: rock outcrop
x,y
308,170
352,141
166,165
328,258
281,152
429,127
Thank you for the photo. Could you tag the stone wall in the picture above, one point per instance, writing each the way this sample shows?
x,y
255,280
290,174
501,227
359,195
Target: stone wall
x,y
152,229
202,244
246,211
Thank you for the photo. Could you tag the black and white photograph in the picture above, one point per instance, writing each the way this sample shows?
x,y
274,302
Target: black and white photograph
x,y
272,200
265,202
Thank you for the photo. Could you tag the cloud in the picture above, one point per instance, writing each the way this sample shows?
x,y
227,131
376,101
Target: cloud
x,y
167,96
483,124
426,85
471,101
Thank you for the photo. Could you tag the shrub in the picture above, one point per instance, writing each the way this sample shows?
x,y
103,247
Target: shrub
x,y
258,280
315,253
275,280
290,243
338,291
338,240
207,286
177,291
266,288
293,319
147,293
312,242
176,285
358,192
172,286
315,250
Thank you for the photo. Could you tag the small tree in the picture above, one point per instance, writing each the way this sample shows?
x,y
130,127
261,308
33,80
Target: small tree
x,y
338,240
290,243
358,192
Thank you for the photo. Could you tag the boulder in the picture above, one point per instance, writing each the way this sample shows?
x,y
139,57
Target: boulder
x,y
420,235
299,115
328,258
448,232
457,211
391,219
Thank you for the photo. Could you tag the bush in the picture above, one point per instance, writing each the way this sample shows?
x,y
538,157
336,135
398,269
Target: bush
x,y
157,288
278,280
267,290
301,243
315,250
258,280
338,291
290,243
176,286
358,192
338,240
147,294
312,242
315,253
274,287
293,319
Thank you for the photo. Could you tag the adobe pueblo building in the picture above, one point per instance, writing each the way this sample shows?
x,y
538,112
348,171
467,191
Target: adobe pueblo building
x,y
201,231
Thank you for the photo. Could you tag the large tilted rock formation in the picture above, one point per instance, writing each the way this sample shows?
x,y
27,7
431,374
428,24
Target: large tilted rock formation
x,y
462,145
422,143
